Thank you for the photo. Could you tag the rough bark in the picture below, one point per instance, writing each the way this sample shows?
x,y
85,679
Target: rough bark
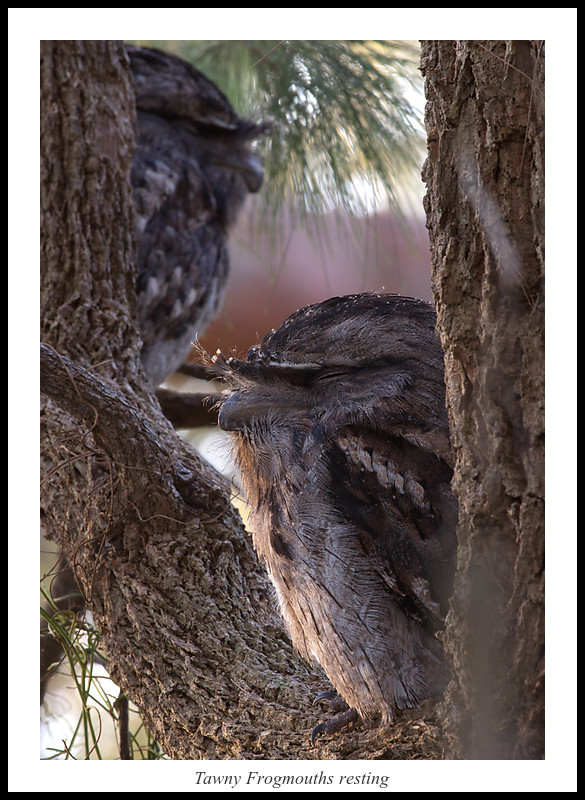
x,y
485,215
187,618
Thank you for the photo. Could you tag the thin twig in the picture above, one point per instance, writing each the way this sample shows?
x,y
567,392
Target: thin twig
x,y
267,54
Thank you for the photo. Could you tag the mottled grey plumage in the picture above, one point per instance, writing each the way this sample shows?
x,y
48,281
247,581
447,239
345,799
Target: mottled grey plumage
x,y
340,433
192,170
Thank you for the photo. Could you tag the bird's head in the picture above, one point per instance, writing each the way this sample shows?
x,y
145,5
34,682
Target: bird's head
x,y
348,360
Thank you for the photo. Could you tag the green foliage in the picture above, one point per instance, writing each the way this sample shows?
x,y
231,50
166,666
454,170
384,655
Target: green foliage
x,y
343,126
100,704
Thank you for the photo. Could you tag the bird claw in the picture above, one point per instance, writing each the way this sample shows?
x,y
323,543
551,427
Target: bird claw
x,y
329,696
333,725
335,701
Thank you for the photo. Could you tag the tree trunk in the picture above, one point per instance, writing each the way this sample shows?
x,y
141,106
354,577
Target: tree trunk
x,y
185,610
485,215
156,546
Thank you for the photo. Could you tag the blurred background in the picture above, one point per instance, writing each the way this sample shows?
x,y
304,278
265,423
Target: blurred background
x,y
381,252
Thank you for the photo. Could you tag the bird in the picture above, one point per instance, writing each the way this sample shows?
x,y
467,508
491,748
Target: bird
x,y
339,431
192,169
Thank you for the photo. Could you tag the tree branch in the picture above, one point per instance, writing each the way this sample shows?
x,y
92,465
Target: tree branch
x,y
188,409
173,580
119,426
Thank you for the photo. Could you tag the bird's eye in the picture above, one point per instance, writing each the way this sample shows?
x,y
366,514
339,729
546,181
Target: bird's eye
x,y
331,375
